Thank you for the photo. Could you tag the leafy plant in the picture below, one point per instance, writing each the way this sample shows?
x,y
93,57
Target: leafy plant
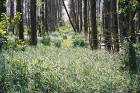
x,y
64,37
46,41
3,29
79,43
57,43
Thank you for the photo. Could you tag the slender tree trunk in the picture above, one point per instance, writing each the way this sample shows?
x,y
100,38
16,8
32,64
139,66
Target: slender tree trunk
x,y
33,23
68,16
75,16
94,38
132,31
11,28
81,14
42,15
85,19
107,32
115,24
20,26
139,24
46,16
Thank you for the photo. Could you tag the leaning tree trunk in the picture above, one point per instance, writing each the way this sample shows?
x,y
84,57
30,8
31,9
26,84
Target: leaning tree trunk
x,y
33,40
73,26
94,38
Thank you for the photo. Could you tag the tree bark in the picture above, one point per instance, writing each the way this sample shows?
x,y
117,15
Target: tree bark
x,y
46,16
107,32
11,28
20,25
115,24
68,16
85,19
33,23
94,33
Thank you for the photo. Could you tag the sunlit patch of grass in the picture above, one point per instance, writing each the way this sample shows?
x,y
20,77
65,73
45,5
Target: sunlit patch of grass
x,y
67,43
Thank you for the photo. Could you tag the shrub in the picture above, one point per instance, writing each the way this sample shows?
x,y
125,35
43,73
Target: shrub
x,y
18,45
46,41
137,48
3,30
130,57
79,43
64,37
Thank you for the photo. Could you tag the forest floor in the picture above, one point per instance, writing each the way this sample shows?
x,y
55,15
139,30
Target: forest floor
x,y
64,63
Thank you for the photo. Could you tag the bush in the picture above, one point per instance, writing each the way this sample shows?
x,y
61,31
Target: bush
x,y
18,45
79,43
46,41
14,75
64,37
137,48
3,30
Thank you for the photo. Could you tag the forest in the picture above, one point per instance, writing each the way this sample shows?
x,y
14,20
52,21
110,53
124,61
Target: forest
x,y
69,46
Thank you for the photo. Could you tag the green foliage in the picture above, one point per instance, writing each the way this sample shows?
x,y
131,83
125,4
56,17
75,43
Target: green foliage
x,y
46,41
16,20
137,48
128,6
73,70
64,37
57,43
18,45
43,32
79,43
3,30
130,57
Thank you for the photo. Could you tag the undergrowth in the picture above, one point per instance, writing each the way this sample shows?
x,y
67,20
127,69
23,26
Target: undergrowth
x,y
45,69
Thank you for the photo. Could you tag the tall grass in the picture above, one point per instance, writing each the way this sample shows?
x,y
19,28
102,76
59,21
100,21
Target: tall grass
x,y
45,69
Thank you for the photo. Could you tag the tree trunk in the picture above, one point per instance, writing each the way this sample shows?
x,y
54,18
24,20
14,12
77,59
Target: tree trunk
x,y
139,24
107,32
33,23
94,38
73,26
85,19
20,25
42,14
115,24
11,28
46,16
81,14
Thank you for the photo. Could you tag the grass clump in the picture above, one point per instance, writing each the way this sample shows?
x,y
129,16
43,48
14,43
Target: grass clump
x,y
57,43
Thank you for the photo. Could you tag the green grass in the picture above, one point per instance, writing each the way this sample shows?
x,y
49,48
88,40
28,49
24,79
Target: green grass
x,y
47,69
